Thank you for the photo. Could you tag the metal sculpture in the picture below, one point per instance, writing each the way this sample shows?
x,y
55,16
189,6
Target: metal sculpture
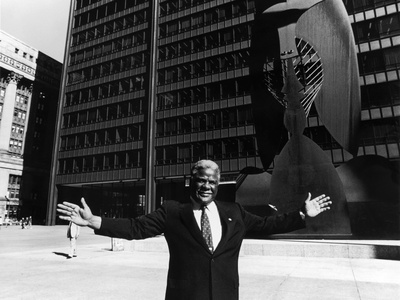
x,y
318,66
318,34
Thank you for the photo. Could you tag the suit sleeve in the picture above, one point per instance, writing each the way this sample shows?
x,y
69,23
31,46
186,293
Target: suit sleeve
x,y
272,224
134,228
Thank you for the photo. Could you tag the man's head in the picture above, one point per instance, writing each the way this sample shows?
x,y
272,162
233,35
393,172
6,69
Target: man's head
x,y
205,180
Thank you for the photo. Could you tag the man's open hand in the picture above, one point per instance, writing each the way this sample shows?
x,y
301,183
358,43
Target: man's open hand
x,y
313,207
72,212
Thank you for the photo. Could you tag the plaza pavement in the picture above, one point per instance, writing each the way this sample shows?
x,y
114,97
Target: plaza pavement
x,y
34,266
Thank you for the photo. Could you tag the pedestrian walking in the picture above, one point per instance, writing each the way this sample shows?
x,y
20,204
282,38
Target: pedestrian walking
x,y
72,234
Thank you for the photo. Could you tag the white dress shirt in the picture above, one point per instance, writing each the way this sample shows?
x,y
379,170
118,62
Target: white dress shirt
x,y
215,222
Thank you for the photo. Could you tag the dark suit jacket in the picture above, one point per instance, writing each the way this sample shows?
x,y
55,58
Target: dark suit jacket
x,y
194,272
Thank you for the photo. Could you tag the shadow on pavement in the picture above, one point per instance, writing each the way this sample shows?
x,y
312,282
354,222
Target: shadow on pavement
x,y
61,254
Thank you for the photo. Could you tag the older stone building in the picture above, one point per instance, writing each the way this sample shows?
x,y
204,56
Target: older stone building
x,y
29,87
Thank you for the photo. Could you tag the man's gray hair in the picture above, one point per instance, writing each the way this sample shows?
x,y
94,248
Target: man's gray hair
x,y
206,164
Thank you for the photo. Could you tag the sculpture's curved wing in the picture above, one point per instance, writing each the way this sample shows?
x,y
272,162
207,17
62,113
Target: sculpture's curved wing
x,y
326,26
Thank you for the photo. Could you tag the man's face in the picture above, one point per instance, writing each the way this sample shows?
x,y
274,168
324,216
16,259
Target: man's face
x,y
204,187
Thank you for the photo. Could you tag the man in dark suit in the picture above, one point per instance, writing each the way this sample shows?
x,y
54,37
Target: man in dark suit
x,y
204,236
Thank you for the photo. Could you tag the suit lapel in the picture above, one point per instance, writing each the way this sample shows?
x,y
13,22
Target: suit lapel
x,y
187,216
227,223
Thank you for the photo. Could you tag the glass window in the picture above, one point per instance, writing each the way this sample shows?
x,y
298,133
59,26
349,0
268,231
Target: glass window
x,y
172,28
199,151
239,8
379,60
185,24
382,94
376,28
170,126
380,131
171,154
185,153
354,6
244,115
247,146
197,20
160,155
230,148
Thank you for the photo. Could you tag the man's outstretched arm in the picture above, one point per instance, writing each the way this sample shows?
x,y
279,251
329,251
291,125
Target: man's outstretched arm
x,y
286,222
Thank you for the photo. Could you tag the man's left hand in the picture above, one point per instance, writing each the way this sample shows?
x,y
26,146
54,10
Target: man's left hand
x,y
313,207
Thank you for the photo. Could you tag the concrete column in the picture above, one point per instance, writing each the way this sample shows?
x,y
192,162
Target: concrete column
x,y
151,113
8,111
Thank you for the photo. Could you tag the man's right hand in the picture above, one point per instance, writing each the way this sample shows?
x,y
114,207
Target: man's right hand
x,y
79,216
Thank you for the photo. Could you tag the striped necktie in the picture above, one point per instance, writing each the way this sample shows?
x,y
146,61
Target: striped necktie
x,y
206,229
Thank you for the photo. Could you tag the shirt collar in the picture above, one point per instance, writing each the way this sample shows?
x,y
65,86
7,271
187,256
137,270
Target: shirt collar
x,y
212,207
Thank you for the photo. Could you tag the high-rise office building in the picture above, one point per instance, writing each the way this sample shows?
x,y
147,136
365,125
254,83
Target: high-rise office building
x,y
29,88
376,26
152,86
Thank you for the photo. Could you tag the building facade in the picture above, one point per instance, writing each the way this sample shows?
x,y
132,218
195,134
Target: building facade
x,y
29,87
152,86
376,28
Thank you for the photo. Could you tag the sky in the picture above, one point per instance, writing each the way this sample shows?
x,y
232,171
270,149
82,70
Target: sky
x,y
41,24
